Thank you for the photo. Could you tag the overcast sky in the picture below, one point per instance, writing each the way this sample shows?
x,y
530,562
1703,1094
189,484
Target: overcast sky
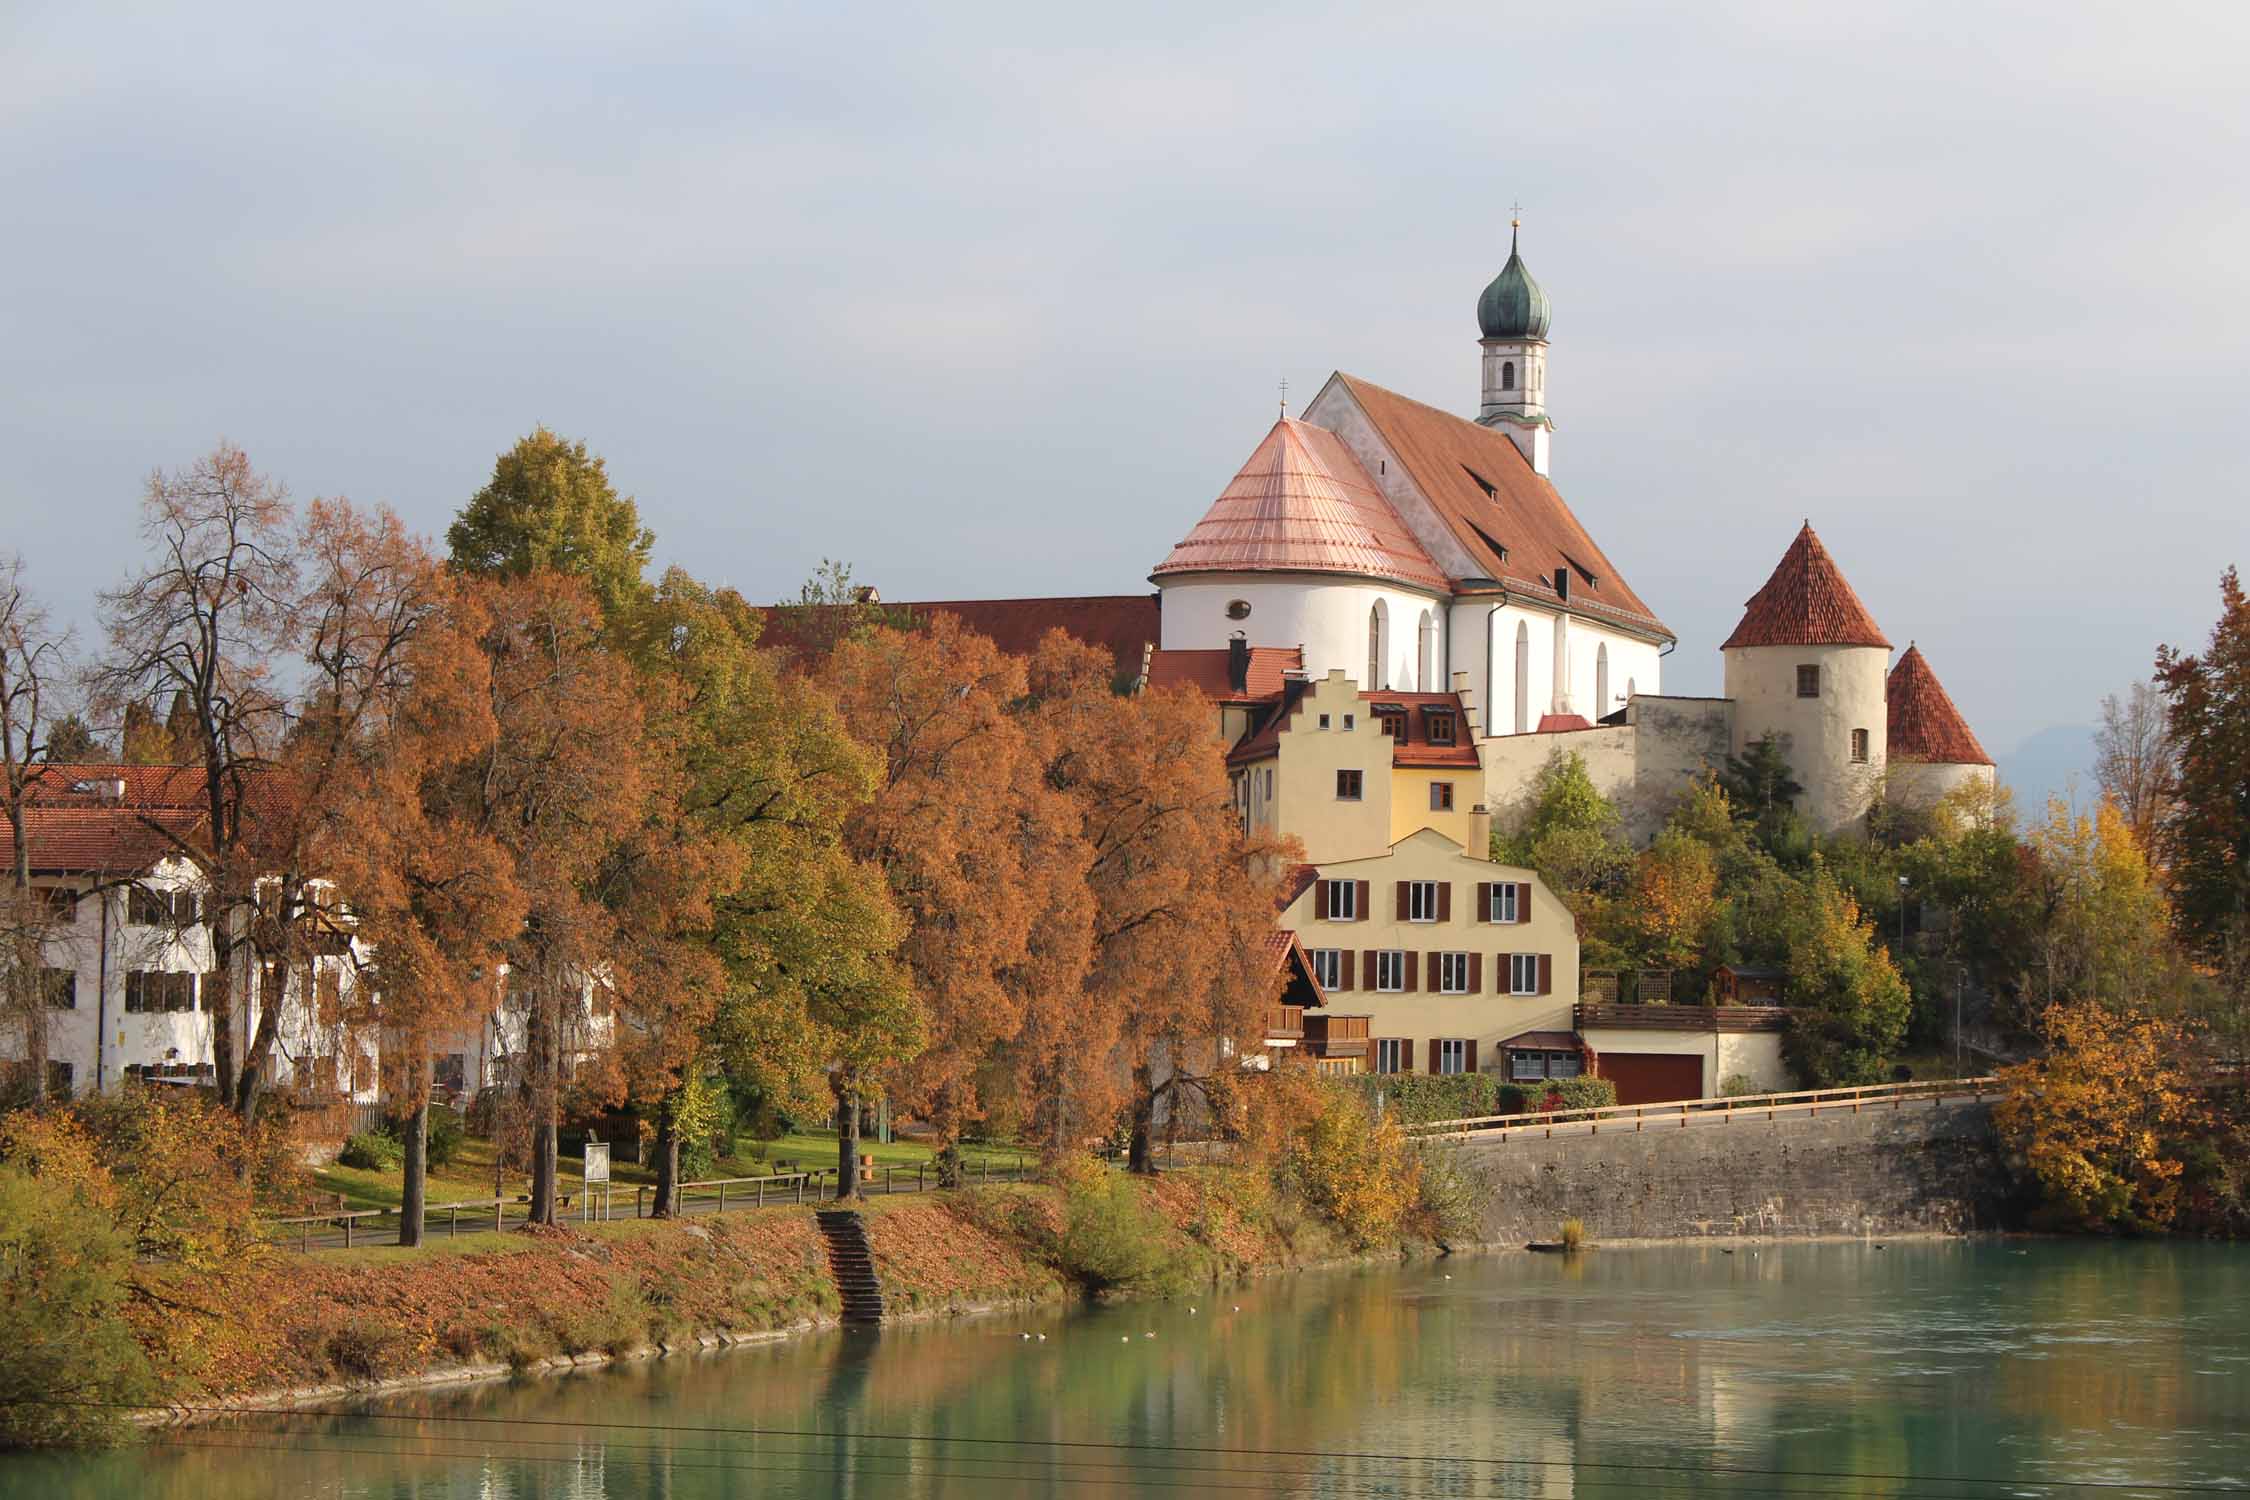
x,y
992,301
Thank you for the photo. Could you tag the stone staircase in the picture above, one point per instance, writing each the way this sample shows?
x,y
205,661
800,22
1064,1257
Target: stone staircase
x,y
852,1262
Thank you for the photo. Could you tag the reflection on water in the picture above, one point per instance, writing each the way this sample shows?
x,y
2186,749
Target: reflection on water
x,y
1917,1369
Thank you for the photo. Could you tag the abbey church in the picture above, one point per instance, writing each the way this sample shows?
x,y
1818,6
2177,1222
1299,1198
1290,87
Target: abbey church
x,y
1421,564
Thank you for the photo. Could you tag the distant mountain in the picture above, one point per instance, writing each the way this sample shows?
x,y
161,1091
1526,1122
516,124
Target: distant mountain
x,y
2056,762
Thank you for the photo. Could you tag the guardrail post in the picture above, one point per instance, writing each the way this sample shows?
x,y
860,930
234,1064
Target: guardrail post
x,y
722,1195
347,1231
761,1192
452,1222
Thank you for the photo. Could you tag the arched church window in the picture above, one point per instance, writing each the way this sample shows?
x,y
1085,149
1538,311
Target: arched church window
x,y
1507,374
1523,677
1601,680
1375,647
1425,639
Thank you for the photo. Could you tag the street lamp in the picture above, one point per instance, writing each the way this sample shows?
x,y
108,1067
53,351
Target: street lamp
x,y
1902,884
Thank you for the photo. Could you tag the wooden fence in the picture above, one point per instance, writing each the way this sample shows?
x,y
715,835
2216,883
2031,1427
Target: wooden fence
x,y
1724,1111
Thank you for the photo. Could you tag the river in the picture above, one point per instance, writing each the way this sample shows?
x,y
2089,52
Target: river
x,y
1920,1368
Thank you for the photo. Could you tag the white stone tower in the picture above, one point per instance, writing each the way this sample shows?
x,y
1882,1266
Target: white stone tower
x,y
1807,665
1512,322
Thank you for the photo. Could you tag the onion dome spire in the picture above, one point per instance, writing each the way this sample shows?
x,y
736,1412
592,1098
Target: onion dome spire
x,y
1513,306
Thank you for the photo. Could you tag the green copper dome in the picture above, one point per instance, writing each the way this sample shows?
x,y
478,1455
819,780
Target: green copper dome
x,y
1513,307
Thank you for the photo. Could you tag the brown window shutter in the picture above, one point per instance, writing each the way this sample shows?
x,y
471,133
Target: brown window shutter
x,y
1433,1054
1411,958
1484,902
1344,970
1320,900
1472,1054
1476,973
1546,973
1374,980
1403,898
1445,901
1406,1054
1436,971
1359,904
1523,901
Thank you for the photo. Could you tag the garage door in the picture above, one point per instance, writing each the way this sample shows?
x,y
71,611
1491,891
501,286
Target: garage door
x,y
1653,1077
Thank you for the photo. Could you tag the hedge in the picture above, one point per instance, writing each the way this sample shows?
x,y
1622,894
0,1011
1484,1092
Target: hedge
x,y
1418,1098
1557,1093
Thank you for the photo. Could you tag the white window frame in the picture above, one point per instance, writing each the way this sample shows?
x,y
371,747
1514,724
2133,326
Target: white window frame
x,y
1401,1054
1453,973
1452,1056
1504,907
1324,721
1421,901
1347,722
1523,973
1327,966
1390,971
1344,907
1527,1066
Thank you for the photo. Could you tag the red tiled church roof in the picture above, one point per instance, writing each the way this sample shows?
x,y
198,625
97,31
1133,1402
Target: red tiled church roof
x,y
1302,504
1924,724
1514,525
1206,671
1125,625
1806,603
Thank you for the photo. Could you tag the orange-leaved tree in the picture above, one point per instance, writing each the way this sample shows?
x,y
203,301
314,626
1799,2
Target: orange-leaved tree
x,y
980,854
1183,968
2100,1119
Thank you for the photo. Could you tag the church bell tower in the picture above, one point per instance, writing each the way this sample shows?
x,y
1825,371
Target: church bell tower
x,y
1512,323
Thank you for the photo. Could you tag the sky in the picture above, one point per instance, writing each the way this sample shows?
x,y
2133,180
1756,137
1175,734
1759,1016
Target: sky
x,y
992,300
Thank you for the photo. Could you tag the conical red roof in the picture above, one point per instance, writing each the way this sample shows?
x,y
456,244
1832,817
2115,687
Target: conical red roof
x,y
1924,724
1806,603
1303,504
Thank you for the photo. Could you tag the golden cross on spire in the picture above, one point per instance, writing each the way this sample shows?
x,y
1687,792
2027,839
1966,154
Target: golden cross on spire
x,y
1515,215
1285,395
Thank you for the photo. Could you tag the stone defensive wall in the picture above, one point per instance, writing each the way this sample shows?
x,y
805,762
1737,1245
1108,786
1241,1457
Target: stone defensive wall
x,y
1922,1169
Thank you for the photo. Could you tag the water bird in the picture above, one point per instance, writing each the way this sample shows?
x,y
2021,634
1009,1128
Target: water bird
x,y
1238,1307
1191,1311
1042,1338
1023,1335
1150,1334
1124,1338
1878,1247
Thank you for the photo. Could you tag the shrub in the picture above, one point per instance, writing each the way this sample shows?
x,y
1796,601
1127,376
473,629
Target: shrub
x,y
63,1288
1574,1234
1112,1241
1356,1172
1739,1086
368,1349
446,1134
1418,1098
1453,1193
372,1151
1541,1095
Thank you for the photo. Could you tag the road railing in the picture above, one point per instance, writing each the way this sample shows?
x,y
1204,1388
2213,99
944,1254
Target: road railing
x,y
1682,1113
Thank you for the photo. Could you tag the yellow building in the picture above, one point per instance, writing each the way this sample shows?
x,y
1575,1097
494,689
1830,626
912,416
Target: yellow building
x,y
1457,964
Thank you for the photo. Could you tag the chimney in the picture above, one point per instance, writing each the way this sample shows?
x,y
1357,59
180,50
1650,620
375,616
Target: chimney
x,y
1238,663
1480,832
110,790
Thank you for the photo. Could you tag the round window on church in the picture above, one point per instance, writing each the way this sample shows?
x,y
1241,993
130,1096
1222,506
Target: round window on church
x,y
1238,609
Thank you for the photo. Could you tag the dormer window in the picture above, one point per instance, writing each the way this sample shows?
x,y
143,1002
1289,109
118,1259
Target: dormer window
x,y
1437,723
1392,718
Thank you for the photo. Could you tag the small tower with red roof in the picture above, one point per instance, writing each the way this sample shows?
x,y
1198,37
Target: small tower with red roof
x,y
1807,665
1933,752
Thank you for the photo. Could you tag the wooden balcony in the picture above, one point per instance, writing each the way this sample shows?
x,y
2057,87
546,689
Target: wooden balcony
x,y
1705,1018
1285,1022
1329,1035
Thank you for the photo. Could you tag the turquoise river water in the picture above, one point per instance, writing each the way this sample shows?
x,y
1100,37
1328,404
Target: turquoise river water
x,y
1920,1368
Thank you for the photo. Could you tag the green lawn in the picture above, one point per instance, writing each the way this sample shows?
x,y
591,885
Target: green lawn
x,y
468,1177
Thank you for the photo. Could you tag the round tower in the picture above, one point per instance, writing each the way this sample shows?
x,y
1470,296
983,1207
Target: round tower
x,y
1933,752
1807,665
1512,318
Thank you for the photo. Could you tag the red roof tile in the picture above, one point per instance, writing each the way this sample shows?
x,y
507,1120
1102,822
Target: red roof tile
x,y
1924,724
1414,752
1551,1041
1125,625
1301,879
74,827
1302,504
1561,723
1206,671
1511,521
1806,603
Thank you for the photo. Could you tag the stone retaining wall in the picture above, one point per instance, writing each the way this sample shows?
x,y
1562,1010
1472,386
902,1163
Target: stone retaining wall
x,y
1918,1170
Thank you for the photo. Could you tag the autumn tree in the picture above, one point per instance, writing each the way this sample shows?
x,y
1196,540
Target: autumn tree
x,y
562,782
31,664
2102,1119
1182,971
1572,834
1848,1006
202,624
981,856
549,506
2204,832
2133,762
1674,899
2101,927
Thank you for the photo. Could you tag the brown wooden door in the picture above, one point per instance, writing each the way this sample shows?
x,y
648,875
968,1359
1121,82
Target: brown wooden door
x,y
1653,1077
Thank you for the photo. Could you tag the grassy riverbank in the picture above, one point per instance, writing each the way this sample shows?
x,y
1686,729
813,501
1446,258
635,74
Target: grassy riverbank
x,y
369,1316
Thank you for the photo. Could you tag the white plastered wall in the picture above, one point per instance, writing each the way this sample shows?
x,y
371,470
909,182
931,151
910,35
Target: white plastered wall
x,y
1815,733
1325,615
